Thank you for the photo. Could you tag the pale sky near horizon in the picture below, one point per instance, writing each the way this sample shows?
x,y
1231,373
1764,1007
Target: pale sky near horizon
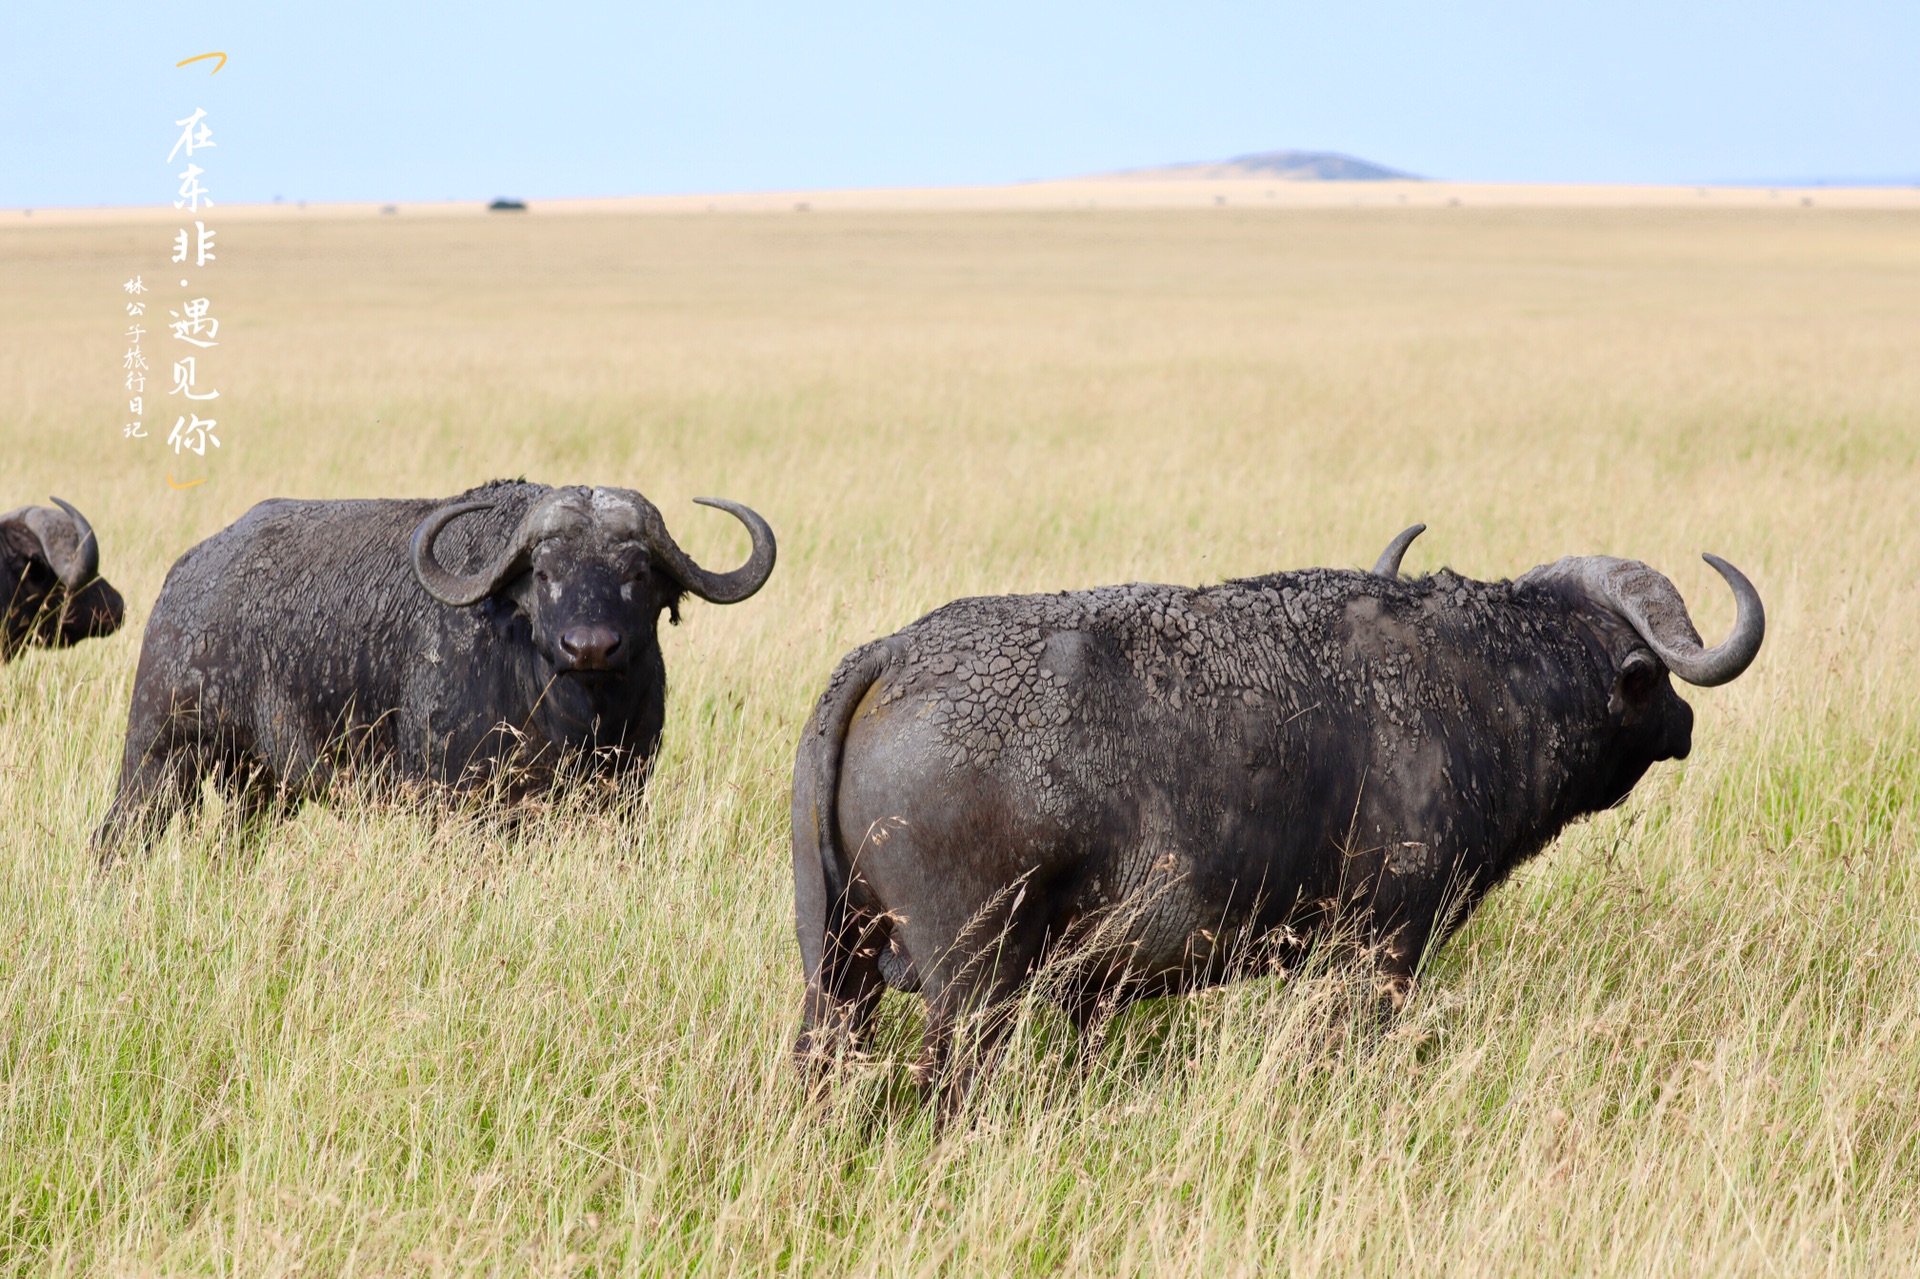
x,y
359,101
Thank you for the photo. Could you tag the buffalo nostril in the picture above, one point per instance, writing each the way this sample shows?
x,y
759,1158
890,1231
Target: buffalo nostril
x,y
590,645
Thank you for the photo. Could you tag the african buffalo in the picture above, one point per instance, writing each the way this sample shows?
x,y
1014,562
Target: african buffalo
x,y
1184,780
51,592
474,641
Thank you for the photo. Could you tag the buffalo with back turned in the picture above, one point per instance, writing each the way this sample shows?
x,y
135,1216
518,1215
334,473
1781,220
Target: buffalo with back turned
x,y
51,591
478,641
1170,784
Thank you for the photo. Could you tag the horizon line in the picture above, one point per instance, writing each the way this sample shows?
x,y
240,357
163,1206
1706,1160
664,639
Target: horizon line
x,y
1110,190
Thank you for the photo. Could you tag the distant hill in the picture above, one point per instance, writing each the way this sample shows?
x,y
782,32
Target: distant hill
x,y
1276,166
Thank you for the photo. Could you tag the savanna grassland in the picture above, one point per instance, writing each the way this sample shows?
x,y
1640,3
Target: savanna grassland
x,y
366,1041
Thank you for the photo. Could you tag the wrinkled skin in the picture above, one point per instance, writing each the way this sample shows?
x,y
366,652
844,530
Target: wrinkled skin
x,y
1185,783
36,609
298,642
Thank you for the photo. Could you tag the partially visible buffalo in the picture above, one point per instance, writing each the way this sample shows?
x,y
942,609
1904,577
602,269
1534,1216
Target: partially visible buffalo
x,y
469,641
51,592
1172,783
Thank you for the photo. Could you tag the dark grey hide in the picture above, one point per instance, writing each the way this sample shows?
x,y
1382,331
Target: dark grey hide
x,y
1185,782
51,591
468,642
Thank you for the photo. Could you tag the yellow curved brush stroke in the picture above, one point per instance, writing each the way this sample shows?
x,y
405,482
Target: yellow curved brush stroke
x,y
202,57
189,484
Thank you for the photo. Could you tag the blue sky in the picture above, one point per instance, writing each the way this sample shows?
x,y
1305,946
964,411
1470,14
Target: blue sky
x,y
352,100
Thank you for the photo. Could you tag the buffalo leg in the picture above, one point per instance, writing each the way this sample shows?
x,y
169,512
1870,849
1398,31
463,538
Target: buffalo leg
x,y
841,995
147,799
1091,1009
969,1014
1394,965
1410,915
959,1052
258,799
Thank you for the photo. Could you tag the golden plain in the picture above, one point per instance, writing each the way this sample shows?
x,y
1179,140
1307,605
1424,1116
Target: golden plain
x,y
369,1040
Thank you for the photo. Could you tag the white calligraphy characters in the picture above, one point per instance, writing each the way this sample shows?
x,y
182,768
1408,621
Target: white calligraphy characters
x,y
193,322
192,194
183,381
202,245
194,135
195,435
135,363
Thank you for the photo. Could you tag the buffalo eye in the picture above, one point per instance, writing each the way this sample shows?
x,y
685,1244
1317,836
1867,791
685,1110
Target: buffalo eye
x,y
540,575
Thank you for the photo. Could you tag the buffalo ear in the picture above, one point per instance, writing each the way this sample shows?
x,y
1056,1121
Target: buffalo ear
x,y
515,595
20,548
1633,687
668,594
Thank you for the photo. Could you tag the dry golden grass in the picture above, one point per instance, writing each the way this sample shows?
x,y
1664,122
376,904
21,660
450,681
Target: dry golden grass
x,y
1686,1040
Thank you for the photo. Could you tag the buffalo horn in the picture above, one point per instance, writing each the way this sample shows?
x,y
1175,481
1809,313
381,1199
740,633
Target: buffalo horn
x,y
462,589
1653,607
74,567
715,588
1388,565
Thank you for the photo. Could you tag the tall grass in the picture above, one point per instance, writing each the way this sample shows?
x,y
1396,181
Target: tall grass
x,y
370,1040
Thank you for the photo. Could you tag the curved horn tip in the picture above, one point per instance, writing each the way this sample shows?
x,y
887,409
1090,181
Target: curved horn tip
x,y
1730,658
1744,590
85,564
68,507
1721,565
726,588
739,510
1388,565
